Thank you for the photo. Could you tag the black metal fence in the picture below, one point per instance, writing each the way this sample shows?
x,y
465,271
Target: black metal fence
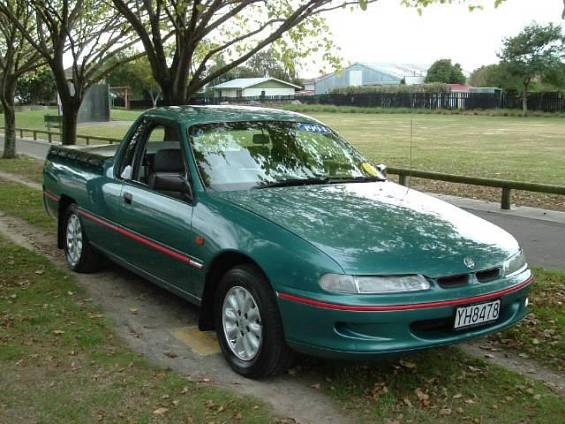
x,y
545,102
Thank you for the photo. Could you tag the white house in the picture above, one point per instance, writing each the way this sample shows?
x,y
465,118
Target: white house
x,y
255,87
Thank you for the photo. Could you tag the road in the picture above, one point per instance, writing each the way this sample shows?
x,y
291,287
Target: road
x,y
540,232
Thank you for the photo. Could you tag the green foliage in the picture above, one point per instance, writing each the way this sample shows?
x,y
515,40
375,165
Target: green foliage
x,y
443,71
483,76
37,87
137,76
421,88
499,75
537,51
555,78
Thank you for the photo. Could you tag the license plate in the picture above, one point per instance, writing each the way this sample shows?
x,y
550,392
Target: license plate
x,y
473,315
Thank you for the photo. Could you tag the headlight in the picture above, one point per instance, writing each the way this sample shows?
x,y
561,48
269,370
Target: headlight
x,y
338,283
515,264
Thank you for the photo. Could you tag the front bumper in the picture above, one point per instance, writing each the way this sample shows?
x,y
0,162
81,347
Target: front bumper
x,y
362,331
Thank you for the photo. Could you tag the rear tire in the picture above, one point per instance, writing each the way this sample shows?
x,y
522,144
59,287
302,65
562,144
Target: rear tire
x,y
248,324
80,255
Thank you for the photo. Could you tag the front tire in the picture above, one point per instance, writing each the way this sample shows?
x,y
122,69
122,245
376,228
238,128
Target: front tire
x,y
248,324
80,255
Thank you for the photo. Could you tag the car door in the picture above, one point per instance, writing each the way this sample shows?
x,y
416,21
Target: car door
x,y
156,210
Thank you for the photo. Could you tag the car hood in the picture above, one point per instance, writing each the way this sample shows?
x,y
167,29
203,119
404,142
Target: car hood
x,y
381,227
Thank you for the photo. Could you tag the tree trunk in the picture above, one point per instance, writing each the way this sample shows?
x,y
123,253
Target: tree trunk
x,y
524,104
9,121
70,119
525,99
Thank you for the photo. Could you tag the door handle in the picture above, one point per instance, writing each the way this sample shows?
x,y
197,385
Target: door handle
x,y
128,197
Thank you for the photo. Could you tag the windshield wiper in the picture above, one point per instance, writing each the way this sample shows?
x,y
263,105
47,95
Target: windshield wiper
x,y
354,180
294,182
317,180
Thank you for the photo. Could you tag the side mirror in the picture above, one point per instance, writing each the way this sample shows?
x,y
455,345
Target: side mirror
x,y
172,183
382,169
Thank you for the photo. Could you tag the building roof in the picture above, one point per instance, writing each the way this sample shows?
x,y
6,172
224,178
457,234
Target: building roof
x,y
242,83
399,70
460,87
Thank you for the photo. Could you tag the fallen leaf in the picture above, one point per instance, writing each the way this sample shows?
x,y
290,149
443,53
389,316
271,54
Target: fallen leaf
x,y
160,411
184,390
407,364
407,402
445,411
175,403
171,354
134,310
58,332
210,404
420,394
316,386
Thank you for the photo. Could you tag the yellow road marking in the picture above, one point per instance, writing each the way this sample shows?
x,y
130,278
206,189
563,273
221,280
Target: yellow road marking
x,y
201,342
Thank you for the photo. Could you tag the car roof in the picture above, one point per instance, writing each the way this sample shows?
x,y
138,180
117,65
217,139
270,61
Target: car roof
x,y
191,115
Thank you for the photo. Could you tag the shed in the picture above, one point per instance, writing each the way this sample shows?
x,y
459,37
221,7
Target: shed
x,y
364,74
255,87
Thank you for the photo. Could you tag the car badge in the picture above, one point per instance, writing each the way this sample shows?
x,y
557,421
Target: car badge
x,y
469,262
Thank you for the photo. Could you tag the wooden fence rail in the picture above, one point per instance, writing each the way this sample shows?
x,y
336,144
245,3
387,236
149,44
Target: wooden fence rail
x,y
50,134
506,185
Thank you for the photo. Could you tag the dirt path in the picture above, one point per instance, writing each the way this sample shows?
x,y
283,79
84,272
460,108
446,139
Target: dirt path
x,y
17,179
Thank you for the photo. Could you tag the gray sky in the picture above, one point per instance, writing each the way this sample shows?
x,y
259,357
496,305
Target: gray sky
x,y
388,32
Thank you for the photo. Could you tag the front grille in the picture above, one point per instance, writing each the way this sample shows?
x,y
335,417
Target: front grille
x,y
488,275
460,280
453,281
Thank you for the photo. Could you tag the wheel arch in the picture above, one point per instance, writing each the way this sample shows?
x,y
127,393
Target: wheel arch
x,y
64,203
218,267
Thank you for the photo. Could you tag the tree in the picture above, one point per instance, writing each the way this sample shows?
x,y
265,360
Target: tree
x,y
267,62
88,32
483,76
444,71
17,57
202,30
37,87
135,75
535,52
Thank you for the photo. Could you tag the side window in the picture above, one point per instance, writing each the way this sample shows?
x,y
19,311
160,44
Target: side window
x,y
134,145
157,160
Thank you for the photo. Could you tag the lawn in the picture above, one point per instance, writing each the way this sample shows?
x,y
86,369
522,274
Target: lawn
x,y
522,149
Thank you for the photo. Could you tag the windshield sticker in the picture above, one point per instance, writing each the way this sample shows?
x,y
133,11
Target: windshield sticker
x,y
315,128
370,169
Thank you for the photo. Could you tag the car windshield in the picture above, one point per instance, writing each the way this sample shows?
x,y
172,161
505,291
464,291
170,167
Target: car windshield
x,y
244,155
